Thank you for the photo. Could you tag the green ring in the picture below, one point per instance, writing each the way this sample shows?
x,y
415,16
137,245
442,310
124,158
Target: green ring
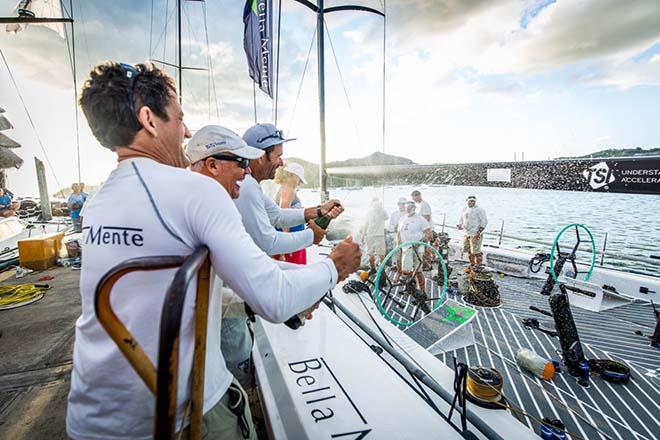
x,y
443,295
554,246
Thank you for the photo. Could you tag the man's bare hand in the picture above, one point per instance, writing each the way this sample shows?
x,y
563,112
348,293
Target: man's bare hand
x,y
319,232
346,256
332,208
308,312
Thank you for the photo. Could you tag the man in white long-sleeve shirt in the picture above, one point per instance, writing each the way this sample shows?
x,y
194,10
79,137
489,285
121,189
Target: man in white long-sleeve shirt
x,y
473,221
151,206
261,215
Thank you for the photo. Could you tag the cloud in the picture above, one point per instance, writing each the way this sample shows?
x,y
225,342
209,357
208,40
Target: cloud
x,y
629,74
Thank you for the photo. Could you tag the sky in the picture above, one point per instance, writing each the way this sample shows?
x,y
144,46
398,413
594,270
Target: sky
x,y
466,81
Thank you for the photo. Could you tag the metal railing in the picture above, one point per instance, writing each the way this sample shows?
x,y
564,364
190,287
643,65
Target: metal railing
x,y
162,381
652,260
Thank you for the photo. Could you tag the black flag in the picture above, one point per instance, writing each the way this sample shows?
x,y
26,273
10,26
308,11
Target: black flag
x,y
257,42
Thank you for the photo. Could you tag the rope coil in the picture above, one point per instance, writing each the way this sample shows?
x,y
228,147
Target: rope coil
x,y
19,295
484,384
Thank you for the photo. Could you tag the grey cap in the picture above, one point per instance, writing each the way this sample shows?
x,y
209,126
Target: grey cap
x,y
264,136
402,201
471,198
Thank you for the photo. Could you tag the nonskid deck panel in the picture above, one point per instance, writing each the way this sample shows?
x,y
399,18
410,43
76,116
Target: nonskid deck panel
x,y
603,410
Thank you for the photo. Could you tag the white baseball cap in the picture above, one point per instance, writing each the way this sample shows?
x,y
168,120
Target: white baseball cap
x,y
402,201
215,139
298,170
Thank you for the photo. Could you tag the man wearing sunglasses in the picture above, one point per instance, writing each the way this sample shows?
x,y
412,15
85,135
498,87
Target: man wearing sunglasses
x,y
222,155
150,205
261,215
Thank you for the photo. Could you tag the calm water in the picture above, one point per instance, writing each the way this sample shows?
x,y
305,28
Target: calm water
x,y
632,221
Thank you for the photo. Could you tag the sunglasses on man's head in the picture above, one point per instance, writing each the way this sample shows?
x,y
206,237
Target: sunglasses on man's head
x,y
131,73
242,162
279,134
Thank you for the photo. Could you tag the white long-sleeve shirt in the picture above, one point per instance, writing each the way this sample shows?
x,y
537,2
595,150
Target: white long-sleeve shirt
x,y
149,209
261,215
472,219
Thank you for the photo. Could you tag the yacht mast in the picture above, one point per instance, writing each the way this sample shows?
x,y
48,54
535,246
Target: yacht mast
x,y
320,11
320,34
180,63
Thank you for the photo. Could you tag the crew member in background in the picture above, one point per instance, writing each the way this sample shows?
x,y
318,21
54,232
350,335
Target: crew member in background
x,y
473,221
163,209
83,193
397,215
413,227
374,231
289,179
423,207
261,215
75,203
7,207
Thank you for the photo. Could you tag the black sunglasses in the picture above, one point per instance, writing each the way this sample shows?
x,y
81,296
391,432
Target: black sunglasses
x,y
131,73
279,134
242,162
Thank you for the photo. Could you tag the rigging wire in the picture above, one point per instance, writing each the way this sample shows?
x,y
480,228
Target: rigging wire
x,y
81,23
210,64
163,33
419,385
71,49
277,71
384,5
151,28
421,392
254,100
167,20
341,78
302,79
20,96
75,89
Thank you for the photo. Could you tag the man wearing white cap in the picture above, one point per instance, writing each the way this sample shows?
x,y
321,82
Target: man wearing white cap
x,y
222,155
473,221
261,215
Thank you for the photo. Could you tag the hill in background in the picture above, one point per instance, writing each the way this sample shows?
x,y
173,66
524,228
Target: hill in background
x,y
619,152
377,158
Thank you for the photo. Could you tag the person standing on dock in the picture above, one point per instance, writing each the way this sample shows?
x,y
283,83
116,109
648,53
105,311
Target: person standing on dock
x,y
75,203
473,221
149,206
423,207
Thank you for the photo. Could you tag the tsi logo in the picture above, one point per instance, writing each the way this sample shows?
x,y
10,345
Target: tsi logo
x,y
599,175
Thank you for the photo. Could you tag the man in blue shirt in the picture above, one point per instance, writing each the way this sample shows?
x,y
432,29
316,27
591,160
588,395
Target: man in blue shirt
x,y
7,208
75,203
